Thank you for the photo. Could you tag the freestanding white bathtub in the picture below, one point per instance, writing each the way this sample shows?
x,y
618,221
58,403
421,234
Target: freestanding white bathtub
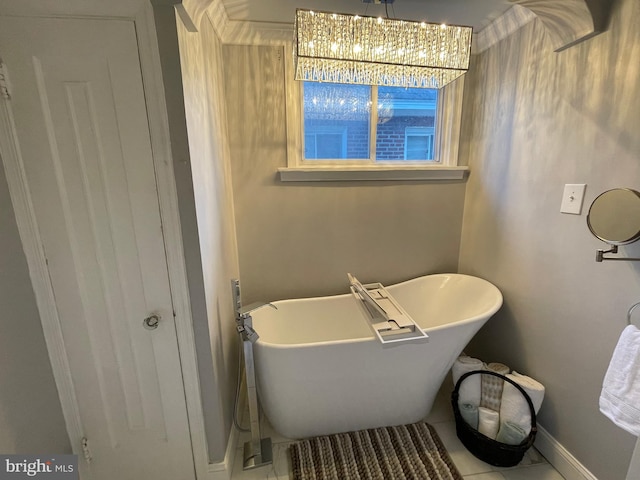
x,y
320,369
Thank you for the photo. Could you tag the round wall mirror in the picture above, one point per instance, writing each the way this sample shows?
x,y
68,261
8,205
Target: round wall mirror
x,y
614,216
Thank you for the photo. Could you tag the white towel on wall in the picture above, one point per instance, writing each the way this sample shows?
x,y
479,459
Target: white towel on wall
x,y
620,396
470,391
514,407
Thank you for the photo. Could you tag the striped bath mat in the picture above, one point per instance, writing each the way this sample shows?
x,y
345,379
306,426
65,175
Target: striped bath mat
x,y
410,452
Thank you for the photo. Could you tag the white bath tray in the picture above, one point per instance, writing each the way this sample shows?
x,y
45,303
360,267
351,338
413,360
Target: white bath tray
x,y
389,321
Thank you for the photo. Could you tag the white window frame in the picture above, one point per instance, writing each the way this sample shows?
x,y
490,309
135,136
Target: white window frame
x,y
443,167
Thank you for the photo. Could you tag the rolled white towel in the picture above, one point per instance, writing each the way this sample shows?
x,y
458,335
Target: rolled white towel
x,y
488,422
534,389
469,414
470,391
511,434
514,407
492,386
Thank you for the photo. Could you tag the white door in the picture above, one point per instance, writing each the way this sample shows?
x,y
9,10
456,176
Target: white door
x,y
82,129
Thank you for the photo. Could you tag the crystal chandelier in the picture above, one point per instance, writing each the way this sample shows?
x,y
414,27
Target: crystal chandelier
x,y
343,48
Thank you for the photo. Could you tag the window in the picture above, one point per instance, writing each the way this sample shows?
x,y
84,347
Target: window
x,y
402,110
325,141
362,132
339,121
418,143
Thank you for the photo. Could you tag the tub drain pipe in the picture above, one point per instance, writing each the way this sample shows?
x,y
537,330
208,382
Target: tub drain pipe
x,y
257,451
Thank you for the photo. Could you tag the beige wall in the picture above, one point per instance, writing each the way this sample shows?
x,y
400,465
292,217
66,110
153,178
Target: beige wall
x,y
535,120
297,240
31,418
200,55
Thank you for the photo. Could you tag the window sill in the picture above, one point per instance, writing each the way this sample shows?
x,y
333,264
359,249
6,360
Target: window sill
x,y
347,174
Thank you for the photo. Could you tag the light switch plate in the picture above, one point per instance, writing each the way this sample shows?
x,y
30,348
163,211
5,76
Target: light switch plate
x,y
572,198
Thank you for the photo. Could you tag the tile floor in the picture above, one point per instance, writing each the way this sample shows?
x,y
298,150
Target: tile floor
x,y
533,466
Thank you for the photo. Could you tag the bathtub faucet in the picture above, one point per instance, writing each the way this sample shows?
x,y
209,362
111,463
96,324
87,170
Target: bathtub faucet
x,y
246,311
257,451
244,322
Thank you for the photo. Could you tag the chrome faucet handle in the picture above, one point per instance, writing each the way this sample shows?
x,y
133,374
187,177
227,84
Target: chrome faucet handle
x,y
248,333
243,313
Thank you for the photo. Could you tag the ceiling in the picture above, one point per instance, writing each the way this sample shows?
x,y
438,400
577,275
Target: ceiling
x,y
475,13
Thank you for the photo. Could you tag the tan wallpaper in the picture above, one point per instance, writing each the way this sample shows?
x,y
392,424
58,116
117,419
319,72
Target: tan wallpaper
x,y
200,55
534,121
298,240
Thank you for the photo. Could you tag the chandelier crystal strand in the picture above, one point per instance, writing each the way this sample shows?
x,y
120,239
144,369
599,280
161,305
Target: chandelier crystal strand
x,y
341,48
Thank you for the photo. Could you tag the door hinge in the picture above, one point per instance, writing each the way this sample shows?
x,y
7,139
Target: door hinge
x,y
86,452
5,86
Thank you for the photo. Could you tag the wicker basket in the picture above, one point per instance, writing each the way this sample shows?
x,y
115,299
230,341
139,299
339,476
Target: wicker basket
x,y
483,447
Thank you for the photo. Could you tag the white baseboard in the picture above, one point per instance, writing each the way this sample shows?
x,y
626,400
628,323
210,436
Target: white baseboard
x,y
561,459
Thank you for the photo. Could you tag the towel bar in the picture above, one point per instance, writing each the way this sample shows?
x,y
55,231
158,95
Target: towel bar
x,y
633,307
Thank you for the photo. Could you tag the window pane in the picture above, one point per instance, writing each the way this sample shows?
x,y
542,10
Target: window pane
x,y
309,146
419,143
336,121
406,123
417,147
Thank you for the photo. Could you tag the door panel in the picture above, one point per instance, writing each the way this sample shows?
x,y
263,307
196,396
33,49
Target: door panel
x,y
79,109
